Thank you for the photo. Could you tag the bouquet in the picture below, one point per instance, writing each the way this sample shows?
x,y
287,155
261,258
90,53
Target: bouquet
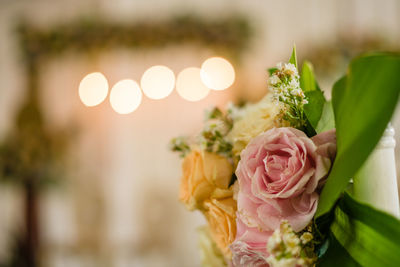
x,y
272,178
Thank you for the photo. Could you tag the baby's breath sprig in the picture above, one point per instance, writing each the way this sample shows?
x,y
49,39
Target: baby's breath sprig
x,y
212,138
285,86
287,248
217,114
180,145
217,126
235,111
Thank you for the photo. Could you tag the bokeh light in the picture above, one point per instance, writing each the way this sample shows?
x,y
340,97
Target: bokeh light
x,y
189,85
93,89
158,82
125,96
217,73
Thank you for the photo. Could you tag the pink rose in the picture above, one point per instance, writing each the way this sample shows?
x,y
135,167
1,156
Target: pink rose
x,y
278,176
249,248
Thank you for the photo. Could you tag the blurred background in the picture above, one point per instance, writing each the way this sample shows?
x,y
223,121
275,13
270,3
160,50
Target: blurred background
x,y
82,184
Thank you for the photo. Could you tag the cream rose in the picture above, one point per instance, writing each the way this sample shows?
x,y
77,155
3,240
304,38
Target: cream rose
x,y
253,120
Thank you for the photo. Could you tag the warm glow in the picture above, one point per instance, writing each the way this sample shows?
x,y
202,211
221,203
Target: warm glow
x,y
158,82
190,86
125,96
93,89
217,73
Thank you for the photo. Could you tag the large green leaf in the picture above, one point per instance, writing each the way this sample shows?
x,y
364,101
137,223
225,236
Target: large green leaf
x,y
371,237
327,120
363,104
336,256
314,95
380,221
307,78
313,109
338,91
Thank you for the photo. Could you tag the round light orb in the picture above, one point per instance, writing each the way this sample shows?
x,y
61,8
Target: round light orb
x,y
217,73
125,96
93,89
189,85
158,82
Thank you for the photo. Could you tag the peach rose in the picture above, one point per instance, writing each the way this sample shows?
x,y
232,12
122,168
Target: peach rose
x,y
205,175
221,217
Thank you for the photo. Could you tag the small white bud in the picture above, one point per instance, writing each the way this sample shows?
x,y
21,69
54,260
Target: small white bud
x,y
274,79
292,68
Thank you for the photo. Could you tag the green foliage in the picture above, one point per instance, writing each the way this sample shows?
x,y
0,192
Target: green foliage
x,y
316,100
369,236
363,103
315,106
307,78
213,137
327,120
293,57
336,255
215,113
180,145
214,141
271,71
294,114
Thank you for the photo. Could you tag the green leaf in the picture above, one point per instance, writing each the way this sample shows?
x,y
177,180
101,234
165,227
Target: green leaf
x,y
271,71
307,78
380,221
336,256
308,129
315,97
313,109
369,236
337,94
327,120
363,104
293,57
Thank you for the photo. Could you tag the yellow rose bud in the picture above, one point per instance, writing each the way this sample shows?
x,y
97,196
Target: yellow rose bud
x,y
221,217
203,174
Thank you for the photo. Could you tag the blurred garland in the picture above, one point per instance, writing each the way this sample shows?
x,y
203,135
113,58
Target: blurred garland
x,y
330,59
227,35
31,153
